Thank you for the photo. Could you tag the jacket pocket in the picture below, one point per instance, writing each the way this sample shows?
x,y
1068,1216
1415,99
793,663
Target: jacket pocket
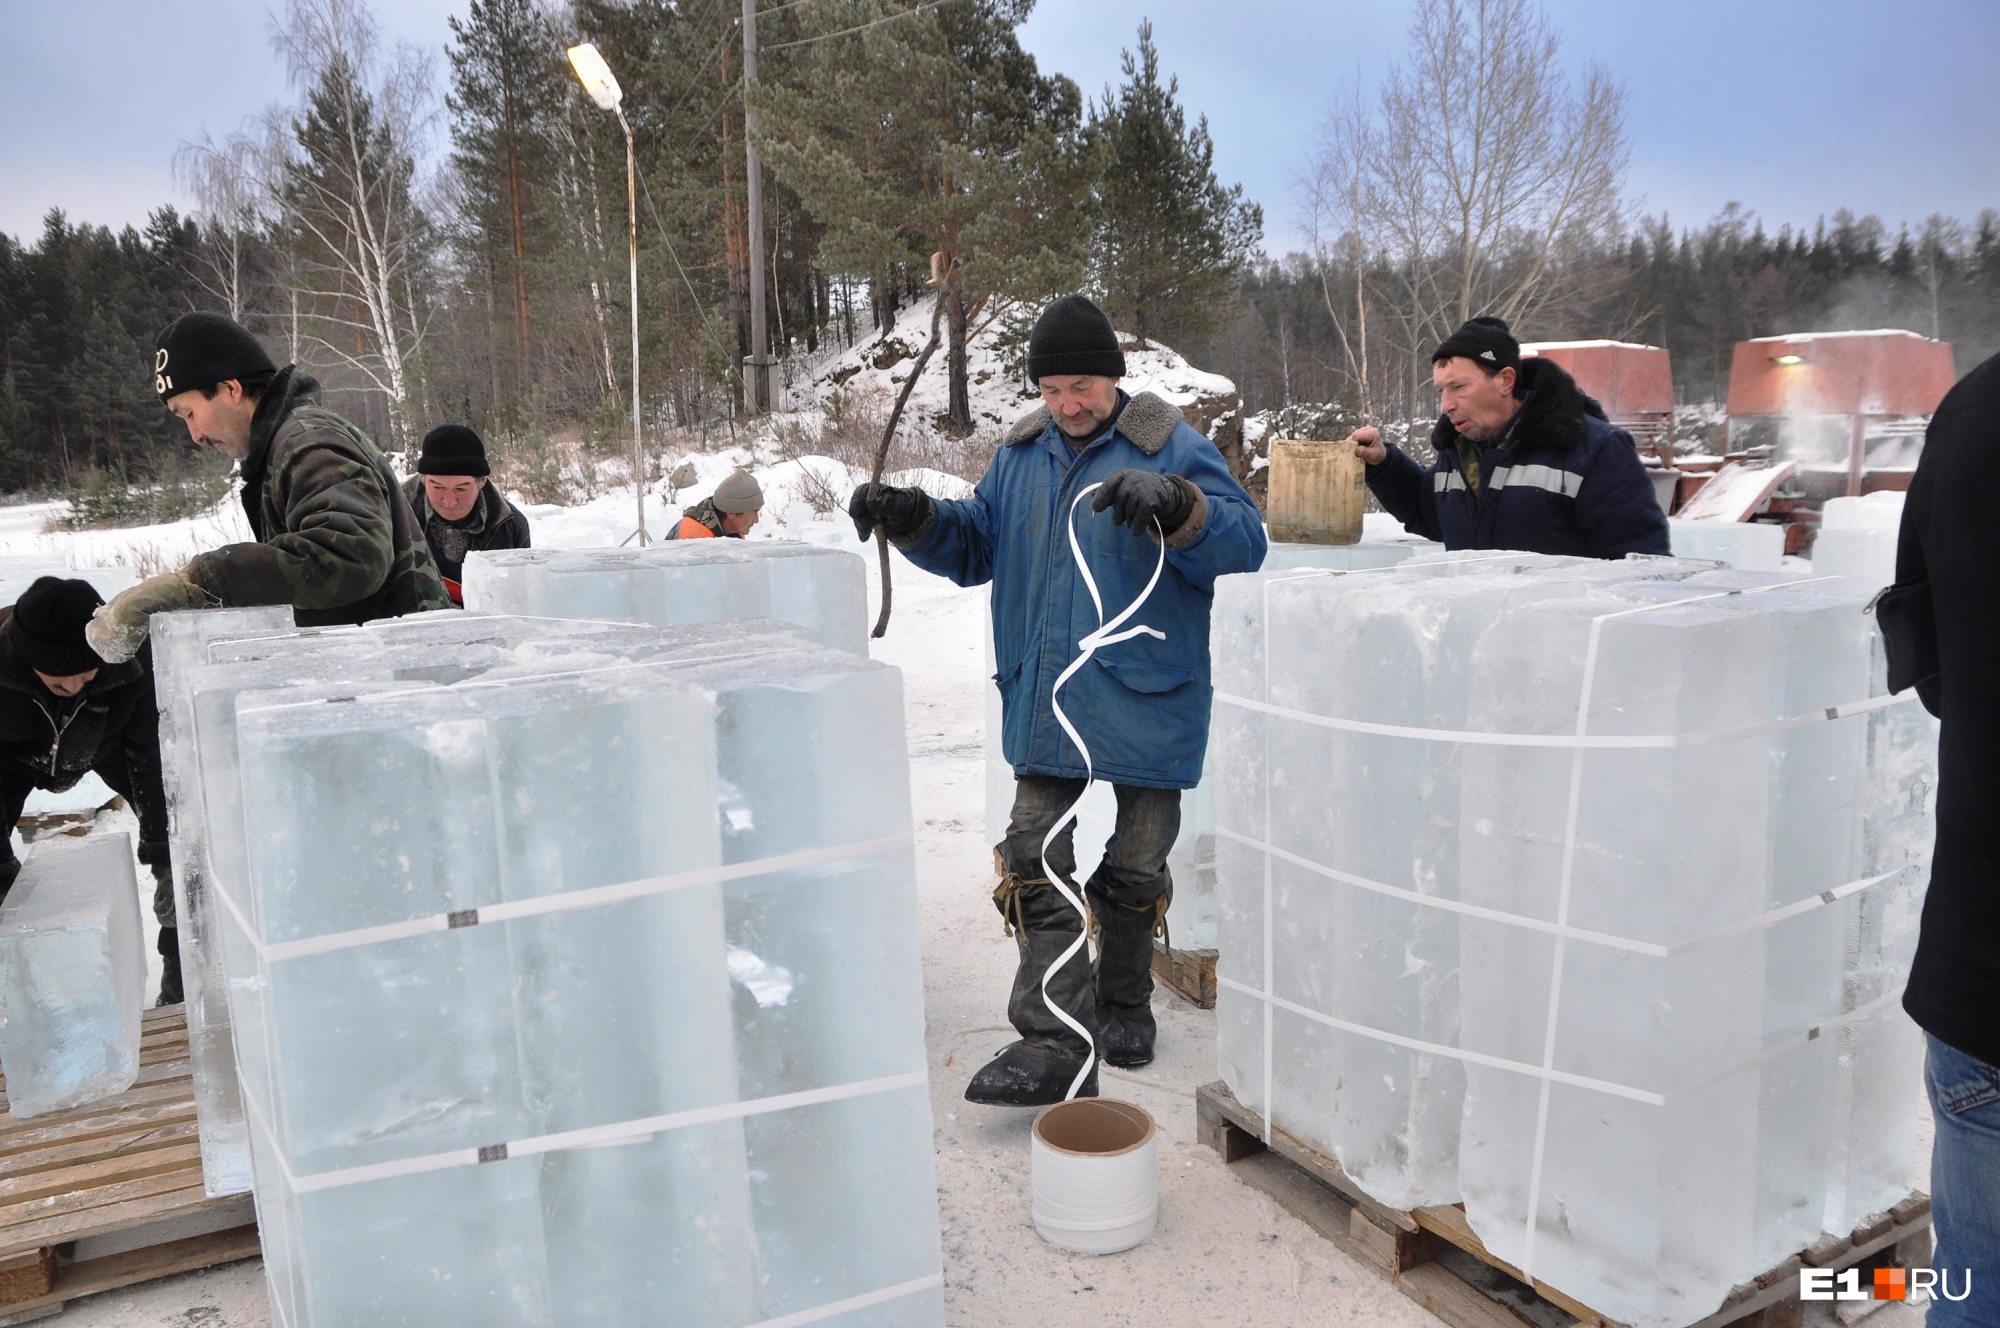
x,y
1961,1082
1145,675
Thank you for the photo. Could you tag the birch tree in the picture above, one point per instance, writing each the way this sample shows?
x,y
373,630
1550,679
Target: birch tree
x,y
1479,169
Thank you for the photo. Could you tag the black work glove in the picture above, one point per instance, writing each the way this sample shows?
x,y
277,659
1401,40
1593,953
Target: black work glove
x,y
1138,498
901,512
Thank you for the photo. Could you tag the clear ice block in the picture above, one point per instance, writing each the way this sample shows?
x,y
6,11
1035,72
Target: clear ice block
x,y
672,583
1727,1070
712,1086
72,975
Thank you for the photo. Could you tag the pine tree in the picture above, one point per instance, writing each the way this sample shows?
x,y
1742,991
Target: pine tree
x,y
932,143
1172,241
506,90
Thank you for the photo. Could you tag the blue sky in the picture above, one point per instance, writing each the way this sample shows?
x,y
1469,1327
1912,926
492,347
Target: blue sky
x,y
1793,110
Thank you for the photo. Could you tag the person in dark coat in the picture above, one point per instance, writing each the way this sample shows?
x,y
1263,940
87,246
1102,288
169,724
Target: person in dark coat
x,y
455,501
1141,704
1950,540
1525,460
334,537
64,713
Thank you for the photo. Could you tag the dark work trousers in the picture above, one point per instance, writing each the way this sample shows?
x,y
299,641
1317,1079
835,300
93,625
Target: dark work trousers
x,y
1127,893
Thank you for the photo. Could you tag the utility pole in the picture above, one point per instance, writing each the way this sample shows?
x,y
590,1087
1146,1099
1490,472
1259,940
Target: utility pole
x,y
757,385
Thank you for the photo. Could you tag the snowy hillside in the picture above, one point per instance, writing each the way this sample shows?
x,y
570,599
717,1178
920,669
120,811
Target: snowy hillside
x,y
877,367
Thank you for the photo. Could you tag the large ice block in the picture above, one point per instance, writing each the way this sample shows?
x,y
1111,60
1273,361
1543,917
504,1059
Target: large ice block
x,y
206,659
1756,546
512,906
1857,537
674,582
1625,848
72,975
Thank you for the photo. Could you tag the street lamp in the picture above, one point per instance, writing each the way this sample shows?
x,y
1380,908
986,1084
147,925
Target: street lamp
x,y
602,85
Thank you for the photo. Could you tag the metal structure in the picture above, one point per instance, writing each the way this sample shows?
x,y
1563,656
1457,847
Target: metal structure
x,y
1849,407
602,85
757,382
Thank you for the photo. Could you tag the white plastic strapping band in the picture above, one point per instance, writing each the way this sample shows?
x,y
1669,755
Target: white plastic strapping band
x,y
1548,1074
1105,634
1652,949
617,1132
543,905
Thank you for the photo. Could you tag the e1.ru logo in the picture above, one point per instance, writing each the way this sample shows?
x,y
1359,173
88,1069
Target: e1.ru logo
x,y
1889,1284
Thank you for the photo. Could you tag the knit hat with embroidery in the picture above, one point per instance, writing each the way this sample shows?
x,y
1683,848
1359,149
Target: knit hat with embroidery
x,y
1485,340
202,349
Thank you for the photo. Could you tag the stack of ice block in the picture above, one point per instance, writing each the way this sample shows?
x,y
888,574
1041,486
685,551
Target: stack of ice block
x,y
1857,537
1640,987
204,659
821,590
573,972
1191,917
72,975
1751,546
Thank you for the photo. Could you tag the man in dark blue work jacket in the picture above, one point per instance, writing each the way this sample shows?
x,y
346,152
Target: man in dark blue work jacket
x,y
1141,704
1525,460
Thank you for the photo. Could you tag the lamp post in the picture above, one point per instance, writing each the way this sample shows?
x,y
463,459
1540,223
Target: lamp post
x,y
602,85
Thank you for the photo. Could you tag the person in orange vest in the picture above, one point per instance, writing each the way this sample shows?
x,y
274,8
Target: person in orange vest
x,y
730,511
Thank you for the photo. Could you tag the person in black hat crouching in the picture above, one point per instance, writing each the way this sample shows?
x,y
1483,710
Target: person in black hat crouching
x,y
458,506
64,712
1525,459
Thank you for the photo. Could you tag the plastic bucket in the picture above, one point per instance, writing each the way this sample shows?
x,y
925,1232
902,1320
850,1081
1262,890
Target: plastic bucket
x,y
1096,1169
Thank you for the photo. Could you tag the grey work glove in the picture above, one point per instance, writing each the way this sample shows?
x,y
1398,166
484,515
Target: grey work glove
x,y
1138,498
118,629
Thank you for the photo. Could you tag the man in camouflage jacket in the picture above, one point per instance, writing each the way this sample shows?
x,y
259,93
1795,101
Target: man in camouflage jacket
x,y
336,539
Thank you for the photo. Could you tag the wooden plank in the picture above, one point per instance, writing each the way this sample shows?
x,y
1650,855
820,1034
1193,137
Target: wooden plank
x,y
169,1130
107,1127
141,1265
26,1275
1189,974
96,1174
1451,1224
113,1208
1301,1154
1444,1294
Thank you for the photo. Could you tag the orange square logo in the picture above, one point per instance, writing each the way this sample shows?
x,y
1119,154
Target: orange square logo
x,y
1891,1284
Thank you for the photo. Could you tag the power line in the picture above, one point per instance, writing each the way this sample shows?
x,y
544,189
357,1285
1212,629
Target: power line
x,y
862,27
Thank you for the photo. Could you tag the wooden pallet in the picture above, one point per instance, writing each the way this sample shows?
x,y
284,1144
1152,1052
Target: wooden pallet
x,y
1189,974
1434,1257
110,1194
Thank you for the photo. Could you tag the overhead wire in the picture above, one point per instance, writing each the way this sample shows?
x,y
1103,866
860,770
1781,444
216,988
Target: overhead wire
x,y
859,27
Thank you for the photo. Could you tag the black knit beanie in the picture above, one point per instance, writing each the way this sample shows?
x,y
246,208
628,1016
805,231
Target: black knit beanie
x,y
202,349
453,449
1485,339
1073,337
46,629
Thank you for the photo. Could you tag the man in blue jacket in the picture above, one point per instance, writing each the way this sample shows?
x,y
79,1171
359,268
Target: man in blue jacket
x,y
1141,705
1525,460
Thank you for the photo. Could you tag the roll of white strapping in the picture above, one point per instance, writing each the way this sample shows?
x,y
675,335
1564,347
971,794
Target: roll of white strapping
x,y
1096,1168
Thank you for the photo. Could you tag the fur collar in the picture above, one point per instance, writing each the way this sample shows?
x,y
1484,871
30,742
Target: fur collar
x,y
1147,421
1553,409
